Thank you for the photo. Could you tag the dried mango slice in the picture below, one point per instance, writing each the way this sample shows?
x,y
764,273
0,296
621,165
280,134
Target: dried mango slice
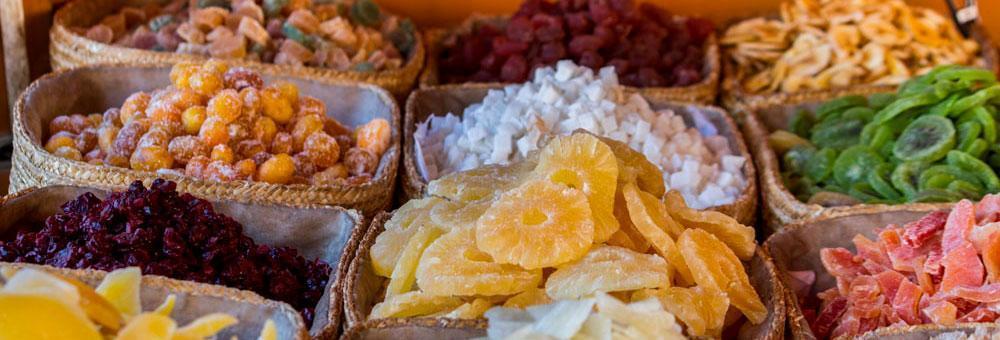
x,y
98,309
648,176
480,183
583,162
527,298
167,306
738,237
29,314
607,269
269,332
148,326
459,214
415,303
650,217
702,310
402,278
121,289
452,265
205,326
716,267
539,224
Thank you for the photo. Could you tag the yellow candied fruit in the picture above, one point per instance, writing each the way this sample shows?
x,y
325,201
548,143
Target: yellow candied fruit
x,y
151,158
224,153
134,106
68,152
59,140
264,130
205,83
304,128
278,170
180,73
213,132
288,91
192,118
226,105
275,105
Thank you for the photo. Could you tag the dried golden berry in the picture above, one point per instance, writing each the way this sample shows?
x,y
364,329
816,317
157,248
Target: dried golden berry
x,y
246,168
278,170
151,158
237,132
304,128
196,167
226,105
60,139
94,120
288,91
264,130
86,140
185,148
185,98
128,137
170,127
251,101
68,152
205,83
223,153
213,132
192,118
322,149
154,137
309,105
221,172
304,167
180,73
163,111
360,162
275,105
332,175
282,143
135,105
250,147
215,66
375,136
106,135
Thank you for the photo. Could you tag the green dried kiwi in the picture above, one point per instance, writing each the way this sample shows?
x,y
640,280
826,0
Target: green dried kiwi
x,y
966,76
915,86
952,171
840,104
966,189
864,192
838,134
994,160
782,141
966,133
859,112
801,122
935,196
943,108
820,166
797,157
880,100
903,104
854,164
800,186
883,135
906,177
928,138
977,148
939,181
944,88
977,99
973,165
981,115
878,181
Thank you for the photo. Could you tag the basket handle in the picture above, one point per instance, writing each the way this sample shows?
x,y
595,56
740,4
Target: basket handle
x,y
964,16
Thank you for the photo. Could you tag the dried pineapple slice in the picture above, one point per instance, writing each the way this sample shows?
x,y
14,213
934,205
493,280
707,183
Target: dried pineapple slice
x,y
469,310
738,237
527,298
459,214
453,265
121,289
583,162
389,244
650,217
402,278
403,217
627,235
607,269
648,176
716,267
539,224
702,310
480,183
415,303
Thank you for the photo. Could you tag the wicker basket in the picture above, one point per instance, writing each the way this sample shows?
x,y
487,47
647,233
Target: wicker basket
x,y
436,329
96,88
780,206
363,289
454,98
704,91
316,232
69,50
734,95
797,247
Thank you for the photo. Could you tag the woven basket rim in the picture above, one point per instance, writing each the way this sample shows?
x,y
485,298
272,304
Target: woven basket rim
x,y
434,323
386,178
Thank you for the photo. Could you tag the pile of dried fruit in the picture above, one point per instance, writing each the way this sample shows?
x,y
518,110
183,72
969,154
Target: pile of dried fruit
x,y
169,234
647,45
823,44
223,124
588,212
943,269
346,35
933,141
31,300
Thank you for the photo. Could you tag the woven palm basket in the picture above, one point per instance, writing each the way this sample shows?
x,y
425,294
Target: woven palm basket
x,y
797,248
704,91
735,95
68,50
780,206
363,289
439,100
330,234
96,88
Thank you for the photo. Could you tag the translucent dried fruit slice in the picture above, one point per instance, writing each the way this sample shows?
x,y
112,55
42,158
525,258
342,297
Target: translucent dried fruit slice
x,y
415,303
607,269
539,224
470,310
148,326
167,306
527,298
702,310
649,320
458,214
583,162
716,267
205,326
96,306
402,278
627,235
648,176
480,183
409,212
738,237
927,139
31,316
269,332
388,245
453,265
653,221
121,289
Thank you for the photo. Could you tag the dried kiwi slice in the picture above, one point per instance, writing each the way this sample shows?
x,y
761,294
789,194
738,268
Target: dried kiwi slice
x,y
864,192
860,113
973,165
906,103
928,138
839,134
906,177
944,107
797,157
952,172
838,105
967,133
832,199
801,122
985,118
966,189
879,182
820,166
977,148
935,195
782,141
854,164
880,100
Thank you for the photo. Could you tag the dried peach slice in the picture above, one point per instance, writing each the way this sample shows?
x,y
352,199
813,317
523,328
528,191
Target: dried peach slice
x,y
702,310
716,267
452,265
583,162
415,303
539,224
650,217
530,297
480,183
738,237
402,278
459,214
607,269
648,176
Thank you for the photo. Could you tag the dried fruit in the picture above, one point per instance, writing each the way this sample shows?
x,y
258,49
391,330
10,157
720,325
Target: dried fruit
x,y
716,267
607,269
453,266
654,223
412,304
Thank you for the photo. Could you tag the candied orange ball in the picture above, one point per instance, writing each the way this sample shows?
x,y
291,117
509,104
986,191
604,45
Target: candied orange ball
x,y
264,130
120,161
196,166
60,139
151,158
59,124
192,118
332,175
278,170
223,153
226,105
216,66
304,167
86,140
185,148
282,143
213,132
68,152
275,105
238,131
251,101
305,127
135,105
322,149
184,98
288,91
180,73
106,136
219,171
247,168
163,111
309,105
95,157
94,120
156,136
205,83
128,137
335,128
360,161
375,136
250,147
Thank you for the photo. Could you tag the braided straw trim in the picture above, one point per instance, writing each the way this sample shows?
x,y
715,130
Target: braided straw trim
x,y
704,91
69,50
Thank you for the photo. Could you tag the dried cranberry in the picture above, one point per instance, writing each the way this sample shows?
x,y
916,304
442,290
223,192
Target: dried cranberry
x,y
514,70
520,29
